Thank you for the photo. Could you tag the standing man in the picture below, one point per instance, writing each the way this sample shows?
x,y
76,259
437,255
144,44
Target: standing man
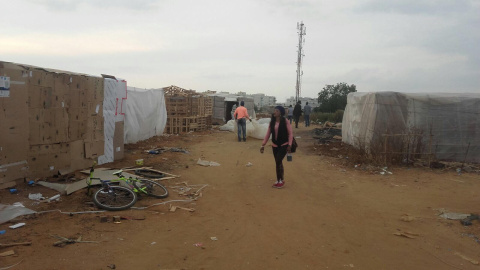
x,y
307,110
241,115
290,113
297,112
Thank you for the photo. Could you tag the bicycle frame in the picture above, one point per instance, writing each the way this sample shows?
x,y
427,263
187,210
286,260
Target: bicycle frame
x,y
130,181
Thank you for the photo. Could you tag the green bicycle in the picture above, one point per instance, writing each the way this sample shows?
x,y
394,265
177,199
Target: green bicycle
x,y
114,197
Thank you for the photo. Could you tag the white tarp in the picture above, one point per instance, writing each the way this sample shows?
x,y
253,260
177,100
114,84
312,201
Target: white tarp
x,y
256,129
146,114
442,124
115,94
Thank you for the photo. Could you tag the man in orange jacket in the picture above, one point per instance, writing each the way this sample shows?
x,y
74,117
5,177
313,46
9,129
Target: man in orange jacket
x,y
241,115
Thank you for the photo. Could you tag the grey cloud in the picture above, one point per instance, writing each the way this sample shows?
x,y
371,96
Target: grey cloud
x,y
72,5
415,6
448,78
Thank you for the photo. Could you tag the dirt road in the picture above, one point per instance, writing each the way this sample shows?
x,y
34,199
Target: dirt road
x,y
328,216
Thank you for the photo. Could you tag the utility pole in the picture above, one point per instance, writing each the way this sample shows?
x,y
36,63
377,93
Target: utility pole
x,y
302,31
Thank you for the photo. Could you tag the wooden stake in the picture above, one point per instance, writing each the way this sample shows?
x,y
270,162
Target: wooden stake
x,y
16,244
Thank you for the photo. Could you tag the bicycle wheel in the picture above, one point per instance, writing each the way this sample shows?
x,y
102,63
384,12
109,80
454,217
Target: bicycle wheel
x,y
149,173
114,198
152,188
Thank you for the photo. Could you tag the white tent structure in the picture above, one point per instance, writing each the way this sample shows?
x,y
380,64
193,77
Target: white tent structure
x,y
438,125
146,114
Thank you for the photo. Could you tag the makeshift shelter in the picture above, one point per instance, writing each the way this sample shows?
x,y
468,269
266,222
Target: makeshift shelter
x,y
53,121
223,104
408,125
146,114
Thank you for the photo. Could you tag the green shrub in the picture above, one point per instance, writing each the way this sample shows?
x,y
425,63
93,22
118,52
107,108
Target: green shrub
x,y
335,117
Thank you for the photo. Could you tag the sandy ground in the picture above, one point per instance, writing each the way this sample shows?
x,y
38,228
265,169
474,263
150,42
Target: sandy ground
x,y
330,215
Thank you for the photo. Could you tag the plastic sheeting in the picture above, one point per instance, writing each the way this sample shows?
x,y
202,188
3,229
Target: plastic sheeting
x,y
115,92
444,125
255,129
9,212
146,115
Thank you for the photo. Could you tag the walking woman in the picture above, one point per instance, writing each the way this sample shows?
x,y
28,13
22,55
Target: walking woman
x,y
282,138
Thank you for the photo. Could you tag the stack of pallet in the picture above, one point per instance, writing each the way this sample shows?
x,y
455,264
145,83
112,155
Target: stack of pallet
x,y
187,110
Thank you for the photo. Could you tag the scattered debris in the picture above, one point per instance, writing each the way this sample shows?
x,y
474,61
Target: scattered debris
x,y
54,198
213,238
207,163
167,149
437,165
468,221
454,216
198,244
36,196
112,266
173,208
153,243
16,244
407,218
327,134
7,253
116,219
384,171
18,225
472,236
132,218
475,262
65,241
406,234
249,164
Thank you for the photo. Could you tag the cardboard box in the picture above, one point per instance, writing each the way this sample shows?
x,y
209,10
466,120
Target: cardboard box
x,y
51,121
77,156
94,149
118,141
41,77
14,124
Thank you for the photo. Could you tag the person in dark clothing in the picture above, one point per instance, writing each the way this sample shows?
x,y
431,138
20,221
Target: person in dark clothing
x,y
282,138
297,112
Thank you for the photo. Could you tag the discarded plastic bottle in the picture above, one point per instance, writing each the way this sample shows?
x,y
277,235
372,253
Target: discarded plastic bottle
x,y
54,197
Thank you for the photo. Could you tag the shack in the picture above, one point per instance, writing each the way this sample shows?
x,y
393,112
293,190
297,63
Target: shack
x,y
223,103
439,126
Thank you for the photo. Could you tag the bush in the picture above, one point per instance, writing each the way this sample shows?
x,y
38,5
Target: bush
x,y
335,117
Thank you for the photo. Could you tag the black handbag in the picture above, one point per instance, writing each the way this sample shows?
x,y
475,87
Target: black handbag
x,y
293,148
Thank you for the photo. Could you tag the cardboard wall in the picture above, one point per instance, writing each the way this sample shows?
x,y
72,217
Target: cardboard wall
x,y
49,122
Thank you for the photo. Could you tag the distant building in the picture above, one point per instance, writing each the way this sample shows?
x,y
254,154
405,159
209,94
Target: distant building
x,y
313,102
261,100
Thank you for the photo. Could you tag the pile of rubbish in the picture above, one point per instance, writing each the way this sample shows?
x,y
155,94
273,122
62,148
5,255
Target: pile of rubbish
x,y
327,134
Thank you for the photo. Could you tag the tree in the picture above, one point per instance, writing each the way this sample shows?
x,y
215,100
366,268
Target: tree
x,y
334,97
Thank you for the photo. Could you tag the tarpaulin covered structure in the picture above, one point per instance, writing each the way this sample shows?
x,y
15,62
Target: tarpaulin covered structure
x,y
441,125
146,114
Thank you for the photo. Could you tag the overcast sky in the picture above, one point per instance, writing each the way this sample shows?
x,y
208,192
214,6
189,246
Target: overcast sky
x,y
251,45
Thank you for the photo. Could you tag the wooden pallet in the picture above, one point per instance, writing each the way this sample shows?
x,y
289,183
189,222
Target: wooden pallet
x,y
176,125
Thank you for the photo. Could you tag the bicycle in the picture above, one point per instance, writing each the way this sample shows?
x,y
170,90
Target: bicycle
x,y
113,197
